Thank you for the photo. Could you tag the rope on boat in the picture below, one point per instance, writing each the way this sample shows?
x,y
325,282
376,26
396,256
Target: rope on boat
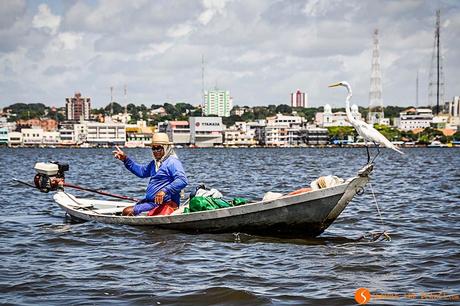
x,y
377,205
384,232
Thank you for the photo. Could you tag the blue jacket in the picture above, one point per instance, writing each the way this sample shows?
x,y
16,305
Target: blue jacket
x,y
170,178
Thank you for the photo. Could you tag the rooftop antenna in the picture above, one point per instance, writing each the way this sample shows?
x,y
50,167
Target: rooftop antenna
x,y
375,93
111,100
202,76
416,91
126,100
203,96
436,64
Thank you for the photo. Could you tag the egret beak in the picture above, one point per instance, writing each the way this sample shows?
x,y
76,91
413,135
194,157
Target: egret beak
x,y
335,85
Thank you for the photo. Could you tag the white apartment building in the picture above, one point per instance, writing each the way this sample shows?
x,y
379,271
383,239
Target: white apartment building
x,y
36,137
283,131
105,134
414,118
72,134
67,134
51,138
32,137
276,135
14,139
206,131
217,102
4,136
292,121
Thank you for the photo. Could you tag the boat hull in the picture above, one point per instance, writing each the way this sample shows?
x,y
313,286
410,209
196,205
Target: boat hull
x,y
306,215
296,220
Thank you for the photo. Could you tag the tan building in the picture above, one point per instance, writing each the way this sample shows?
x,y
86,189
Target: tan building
x,y
48,125
241,134
138,136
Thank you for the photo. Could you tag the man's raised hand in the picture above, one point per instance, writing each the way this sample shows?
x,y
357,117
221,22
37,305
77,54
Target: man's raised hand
x,y
119,154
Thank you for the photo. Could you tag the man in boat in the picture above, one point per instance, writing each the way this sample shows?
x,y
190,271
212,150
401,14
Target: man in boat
x,y
167,178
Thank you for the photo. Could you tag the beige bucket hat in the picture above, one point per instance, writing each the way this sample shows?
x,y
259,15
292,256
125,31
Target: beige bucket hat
x,y
160,139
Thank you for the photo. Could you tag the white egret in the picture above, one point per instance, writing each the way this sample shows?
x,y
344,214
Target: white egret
x,y
366,131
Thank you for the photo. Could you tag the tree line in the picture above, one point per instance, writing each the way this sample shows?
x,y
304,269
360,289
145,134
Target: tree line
x,y
181,111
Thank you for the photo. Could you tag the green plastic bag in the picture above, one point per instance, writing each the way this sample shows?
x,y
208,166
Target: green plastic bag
x,y
239,201
207,203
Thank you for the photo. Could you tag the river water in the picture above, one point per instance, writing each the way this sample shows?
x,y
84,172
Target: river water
x,y
47,260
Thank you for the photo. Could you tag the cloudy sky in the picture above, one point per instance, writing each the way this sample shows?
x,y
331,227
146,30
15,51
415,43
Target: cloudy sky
x,y
258,50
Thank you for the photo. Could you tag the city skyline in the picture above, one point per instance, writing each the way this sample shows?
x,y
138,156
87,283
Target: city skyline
x,y
258,50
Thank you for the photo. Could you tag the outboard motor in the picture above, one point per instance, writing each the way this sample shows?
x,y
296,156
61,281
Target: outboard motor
x,y
50,176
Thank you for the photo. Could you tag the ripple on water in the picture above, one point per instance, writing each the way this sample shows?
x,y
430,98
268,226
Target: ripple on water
x,y
48,260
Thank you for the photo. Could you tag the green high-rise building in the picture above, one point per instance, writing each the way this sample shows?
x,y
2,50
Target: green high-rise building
x,y
217,102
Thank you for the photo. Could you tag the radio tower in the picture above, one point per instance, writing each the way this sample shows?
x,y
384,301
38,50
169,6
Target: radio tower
x,y
203,96
375,93
436,71
126,100
416,91
111,100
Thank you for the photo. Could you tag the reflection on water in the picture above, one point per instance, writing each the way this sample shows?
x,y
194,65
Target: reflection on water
x,y
48,260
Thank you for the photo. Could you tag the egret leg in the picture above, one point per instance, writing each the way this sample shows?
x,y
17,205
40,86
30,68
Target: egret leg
x,y
378,152
368,154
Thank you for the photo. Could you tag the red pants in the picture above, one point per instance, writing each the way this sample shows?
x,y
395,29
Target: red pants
x,y
164,209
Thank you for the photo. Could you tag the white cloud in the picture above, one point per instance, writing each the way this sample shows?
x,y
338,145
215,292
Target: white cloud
x,y
180,30
316,8
153,50
251,57
260,50
206,16
66,41
212,8
45,19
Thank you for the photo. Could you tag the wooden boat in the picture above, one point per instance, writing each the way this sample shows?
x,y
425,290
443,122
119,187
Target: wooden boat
x,y
305,215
